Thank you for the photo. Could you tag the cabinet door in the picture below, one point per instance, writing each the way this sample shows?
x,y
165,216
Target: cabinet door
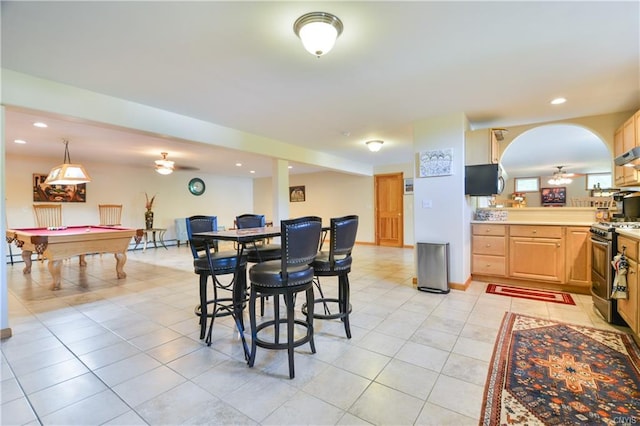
x,y
618,150
494,148
629,142
628,308
578,263
536,258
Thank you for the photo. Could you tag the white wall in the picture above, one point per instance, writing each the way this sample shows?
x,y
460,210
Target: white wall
x,y
224,197
448,219
328,194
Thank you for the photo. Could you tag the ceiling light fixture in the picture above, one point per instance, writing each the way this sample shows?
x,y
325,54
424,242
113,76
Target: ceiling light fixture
x,y
375,145
558,101
164,166
40,124
67,173
318,31
560,177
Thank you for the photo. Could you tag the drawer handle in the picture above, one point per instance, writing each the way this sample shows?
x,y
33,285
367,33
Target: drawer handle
x,y
535,231
488,245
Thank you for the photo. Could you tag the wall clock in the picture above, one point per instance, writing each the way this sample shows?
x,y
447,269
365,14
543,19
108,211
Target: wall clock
x,y
196,186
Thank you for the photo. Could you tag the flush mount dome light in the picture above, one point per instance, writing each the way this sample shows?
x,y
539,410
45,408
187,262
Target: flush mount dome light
x,y
375,145
318,31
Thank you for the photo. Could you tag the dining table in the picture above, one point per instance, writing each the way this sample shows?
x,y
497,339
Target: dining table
x,y
241,238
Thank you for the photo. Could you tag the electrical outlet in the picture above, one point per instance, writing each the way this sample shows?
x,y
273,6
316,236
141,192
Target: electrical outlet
x,y
427,204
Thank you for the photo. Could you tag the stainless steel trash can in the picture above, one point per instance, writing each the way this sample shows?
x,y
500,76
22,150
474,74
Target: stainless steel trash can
x,y
433,267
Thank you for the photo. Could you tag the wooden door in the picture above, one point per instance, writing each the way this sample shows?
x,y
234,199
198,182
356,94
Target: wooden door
x,y
389,210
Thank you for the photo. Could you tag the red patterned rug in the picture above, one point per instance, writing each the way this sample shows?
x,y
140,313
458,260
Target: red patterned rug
x,y
531,293
550,373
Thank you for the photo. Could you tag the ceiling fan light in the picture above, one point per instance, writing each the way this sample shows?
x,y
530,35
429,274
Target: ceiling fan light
x,y
318,31
163,170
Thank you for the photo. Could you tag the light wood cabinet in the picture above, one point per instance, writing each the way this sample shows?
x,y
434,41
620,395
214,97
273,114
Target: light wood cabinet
x,y
618,150
628,308
629,142
537,253
494,148
578,259
489,250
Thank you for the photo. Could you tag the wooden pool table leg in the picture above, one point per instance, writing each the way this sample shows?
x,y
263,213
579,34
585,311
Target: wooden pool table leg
x,y
55,267
121,259
26,257
82,261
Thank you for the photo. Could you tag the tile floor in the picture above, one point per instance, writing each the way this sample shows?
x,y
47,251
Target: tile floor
x,y
127,352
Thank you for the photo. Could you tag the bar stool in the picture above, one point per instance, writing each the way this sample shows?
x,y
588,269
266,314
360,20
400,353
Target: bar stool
x,y
208,262
336,262
290,275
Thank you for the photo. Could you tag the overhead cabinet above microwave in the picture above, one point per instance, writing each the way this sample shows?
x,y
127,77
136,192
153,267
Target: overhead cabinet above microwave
x,y
626,148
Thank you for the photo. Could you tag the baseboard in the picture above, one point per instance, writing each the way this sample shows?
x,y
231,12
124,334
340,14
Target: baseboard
x,y
5,333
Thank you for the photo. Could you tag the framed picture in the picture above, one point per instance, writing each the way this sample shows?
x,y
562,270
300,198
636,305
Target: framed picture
x,y
554,196
435,163
408,186
296,194
57,193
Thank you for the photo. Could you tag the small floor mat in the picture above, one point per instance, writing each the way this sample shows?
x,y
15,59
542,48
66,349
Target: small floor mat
x,y
531,293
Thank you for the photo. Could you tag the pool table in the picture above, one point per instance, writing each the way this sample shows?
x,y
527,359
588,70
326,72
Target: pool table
x,y
57,244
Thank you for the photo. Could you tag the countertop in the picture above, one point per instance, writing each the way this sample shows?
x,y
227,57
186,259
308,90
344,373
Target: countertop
x,y
536,222
633,233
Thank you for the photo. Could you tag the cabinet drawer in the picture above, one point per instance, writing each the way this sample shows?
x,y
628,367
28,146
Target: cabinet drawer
x,y
483,244
631,250
489,265
489,229
535,231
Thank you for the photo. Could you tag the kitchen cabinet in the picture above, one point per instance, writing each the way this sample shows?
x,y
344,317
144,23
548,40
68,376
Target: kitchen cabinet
x,y
629,142
494,147
618,150
628,308
578,260
537,252
489,249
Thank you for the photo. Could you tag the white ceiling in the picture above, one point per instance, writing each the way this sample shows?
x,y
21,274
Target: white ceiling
x,y
239,65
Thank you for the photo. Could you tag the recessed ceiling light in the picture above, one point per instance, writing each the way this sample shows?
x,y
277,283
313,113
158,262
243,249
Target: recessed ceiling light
x,y
291,167
238,164
252,171
20,141
40,124
558,101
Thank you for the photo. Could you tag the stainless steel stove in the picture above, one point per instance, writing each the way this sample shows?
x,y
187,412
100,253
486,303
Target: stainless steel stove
x,y
604,246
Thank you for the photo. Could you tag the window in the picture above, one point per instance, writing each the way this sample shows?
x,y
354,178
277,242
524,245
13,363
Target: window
x,y
529,184
599,180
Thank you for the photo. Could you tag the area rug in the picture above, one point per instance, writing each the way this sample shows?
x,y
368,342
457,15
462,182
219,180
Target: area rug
x,y
531,293
549,373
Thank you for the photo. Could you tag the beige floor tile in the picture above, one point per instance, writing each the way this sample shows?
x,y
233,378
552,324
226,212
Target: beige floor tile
x,y
382,405
127,352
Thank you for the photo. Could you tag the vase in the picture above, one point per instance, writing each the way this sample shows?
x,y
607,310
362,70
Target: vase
x,y
148,219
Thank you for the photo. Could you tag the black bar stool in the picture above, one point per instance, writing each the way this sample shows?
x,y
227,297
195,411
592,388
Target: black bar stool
x,y
288,276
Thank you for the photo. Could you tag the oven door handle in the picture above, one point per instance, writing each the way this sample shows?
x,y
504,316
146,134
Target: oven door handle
x,y
600,242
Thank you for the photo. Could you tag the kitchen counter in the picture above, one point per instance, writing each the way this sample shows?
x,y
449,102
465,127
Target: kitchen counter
x,y
632,233
538,222
575,216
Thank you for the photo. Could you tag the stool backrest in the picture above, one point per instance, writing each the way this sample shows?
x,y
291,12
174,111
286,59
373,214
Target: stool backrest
x,y
110,214
343,235
48,215
197,224
250,221
300,239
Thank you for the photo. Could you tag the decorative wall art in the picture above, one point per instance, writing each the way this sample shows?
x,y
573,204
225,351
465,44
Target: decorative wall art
x,y
435,163
408,186
296,194
58,193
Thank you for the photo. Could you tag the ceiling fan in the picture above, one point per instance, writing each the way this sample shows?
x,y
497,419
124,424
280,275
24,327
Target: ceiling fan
x,y
560,177
166,167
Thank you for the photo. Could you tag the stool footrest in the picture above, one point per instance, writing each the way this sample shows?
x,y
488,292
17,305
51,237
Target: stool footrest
x,y
327,314
273,345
